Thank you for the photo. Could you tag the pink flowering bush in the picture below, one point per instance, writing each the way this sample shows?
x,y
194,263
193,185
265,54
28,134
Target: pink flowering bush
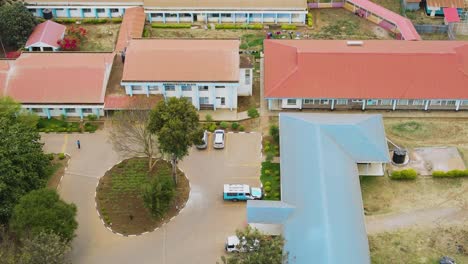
x,y
74,36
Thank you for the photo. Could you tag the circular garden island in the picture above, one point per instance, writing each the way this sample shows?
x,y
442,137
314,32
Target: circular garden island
x,y
132,200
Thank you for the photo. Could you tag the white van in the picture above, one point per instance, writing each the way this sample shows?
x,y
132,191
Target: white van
x,y
218,142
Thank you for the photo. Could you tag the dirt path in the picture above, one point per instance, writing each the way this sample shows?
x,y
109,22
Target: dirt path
x,y
431,217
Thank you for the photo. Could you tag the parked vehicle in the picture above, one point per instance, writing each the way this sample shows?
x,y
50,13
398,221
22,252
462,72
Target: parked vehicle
x,y
204,140
234,244
241,192
218,142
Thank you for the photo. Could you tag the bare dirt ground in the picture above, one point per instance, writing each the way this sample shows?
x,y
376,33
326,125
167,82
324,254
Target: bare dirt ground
x,y
101,37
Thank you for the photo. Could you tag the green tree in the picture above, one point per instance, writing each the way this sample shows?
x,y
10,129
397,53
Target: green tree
x,y
43,211
44,248
16,24
175,123
23,165
267,249
253,112
274,133
158,195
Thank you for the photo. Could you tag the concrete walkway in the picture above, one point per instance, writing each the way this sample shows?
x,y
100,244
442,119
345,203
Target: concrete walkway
x,y
223,115
195,236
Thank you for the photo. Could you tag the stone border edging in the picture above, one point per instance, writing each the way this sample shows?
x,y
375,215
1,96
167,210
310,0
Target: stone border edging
x,y
163,223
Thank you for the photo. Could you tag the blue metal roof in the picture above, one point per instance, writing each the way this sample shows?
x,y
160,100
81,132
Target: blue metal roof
x,y
321,208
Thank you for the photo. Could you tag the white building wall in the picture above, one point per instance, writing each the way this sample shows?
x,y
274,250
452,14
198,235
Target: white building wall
x,y
61,12
297,105
225,97
75,12
246,82
58,110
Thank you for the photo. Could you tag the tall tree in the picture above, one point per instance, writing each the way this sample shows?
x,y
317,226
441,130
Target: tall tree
x,y
130,135
44,248
23,165
176,124
16,24
257,248
43,211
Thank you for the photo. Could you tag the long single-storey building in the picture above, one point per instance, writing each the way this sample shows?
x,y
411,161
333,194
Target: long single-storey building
x,y
55,84
209,73
180,11
321,213
373,74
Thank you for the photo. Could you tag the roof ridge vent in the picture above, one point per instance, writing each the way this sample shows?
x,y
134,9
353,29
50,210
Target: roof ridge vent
x,y
355,43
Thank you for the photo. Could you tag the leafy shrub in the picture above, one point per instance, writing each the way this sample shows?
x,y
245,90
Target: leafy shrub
x,y
310,21
241,128
62,129
288,27
146,33
274,133
50,156
212,127
223,125
409,174
88,127
450,174
268,183
253,112
92,117
235,126
238,26
269,156
267,188
61,156
158,195
209,118
180,25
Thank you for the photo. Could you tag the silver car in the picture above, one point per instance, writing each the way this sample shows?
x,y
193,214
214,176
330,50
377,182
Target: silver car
x,y
204,140
218,142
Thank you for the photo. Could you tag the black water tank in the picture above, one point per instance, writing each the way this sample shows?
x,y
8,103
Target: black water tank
x,y
47,13
399,156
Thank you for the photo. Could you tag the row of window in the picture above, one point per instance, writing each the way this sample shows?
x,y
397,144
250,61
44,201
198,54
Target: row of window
x,y
206,100
85,10
67,110
374,102
172,88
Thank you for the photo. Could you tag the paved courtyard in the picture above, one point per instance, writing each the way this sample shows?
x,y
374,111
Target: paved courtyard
x,y
196,235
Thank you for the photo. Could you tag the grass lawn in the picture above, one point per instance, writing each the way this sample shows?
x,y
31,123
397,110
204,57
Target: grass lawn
x,y
101,37
420,17
271,173
56,171
119,198
420,245
393,5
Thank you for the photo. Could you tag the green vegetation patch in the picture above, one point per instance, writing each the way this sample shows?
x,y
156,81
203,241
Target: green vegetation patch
x,y
450,174
420,245
271,181
239,26
56,125
408,174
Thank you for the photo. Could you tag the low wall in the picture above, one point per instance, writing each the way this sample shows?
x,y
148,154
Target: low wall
x,y
326,5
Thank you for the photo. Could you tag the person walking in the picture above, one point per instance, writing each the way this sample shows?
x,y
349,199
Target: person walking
x,y
78,144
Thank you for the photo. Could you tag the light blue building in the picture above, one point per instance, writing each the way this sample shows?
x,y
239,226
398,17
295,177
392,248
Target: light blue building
x,y
321,211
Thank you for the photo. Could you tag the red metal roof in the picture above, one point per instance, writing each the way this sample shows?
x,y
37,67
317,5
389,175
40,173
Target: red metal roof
x,y
446,3
378,69
186,60
451,15
59,77
405,26
48,33
132,27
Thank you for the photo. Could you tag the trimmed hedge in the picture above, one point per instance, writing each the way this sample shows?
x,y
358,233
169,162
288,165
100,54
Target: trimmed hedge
x,y
310,21
180,25
239,26
408,174
288,27
95,21
450,174
65,20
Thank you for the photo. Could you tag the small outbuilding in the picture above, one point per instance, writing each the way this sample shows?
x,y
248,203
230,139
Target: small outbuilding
x,y
45,37
436,7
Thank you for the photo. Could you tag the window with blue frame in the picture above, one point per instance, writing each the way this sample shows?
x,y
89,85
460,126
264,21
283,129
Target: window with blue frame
x,y
186,88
